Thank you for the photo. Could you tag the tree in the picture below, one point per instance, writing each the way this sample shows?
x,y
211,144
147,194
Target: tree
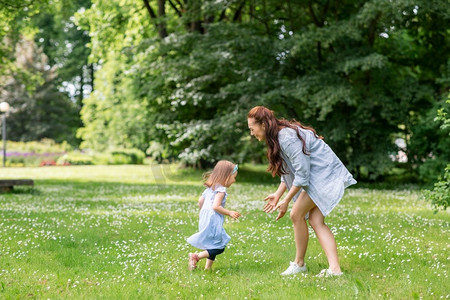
x,y
358,71
65,44
44,112
13,24
440,195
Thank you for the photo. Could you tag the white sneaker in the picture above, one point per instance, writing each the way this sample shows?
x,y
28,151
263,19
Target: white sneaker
x,y
328,273
294,269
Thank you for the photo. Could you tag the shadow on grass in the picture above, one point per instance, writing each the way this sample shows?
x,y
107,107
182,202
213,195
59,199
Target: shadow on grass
x,y
23,190
112,186
383,185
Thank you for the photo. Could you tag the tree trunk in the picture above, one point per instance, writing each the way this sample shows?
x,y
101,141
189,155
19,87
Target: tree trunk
x,y
80,96
91,69
290,17
162,28
252,9
238,13
319,54
372,27
158,20
195,14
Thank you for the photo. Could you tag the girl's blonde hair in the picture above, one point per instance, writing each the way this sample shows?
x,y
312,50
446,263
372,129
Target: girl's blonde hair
x,y
220,174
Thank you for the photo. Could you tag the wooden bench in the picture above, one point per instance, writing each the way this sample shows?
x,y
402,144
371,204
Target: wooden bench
x,y
8,185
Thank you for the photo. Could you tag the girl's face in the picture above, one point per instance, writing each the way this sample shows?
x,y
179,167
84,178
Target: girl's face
x,y
257,130
231,179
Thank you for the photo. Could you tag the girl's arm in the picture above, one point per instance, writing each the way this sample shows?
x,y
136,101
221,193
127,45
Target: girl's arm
x,y
200,201
217,206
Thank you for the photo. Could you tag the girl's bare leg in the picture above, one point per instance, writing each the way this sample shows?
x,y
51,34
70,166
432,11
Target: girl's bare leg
x,y
203,254
194,258
208,264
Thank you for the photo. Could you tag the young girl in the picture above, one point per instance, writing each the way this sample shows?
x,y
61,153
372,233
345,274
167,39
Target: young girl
x,y
211,237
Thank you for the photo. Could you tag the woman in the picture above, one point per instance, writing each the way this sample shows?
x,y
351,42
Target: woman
x,y
314,176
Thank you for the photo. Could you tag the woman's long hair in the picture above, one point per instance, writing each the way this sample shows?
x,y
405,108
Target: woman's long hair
x,y
272,125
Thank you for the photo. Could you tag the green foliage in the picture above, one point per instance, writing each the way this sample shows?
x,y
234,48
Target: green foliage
x,y
33,160
177,80
127,156
430,170
360,74
75,158
429,144
42,146
440,195
157,151
65,44
33,77
14,22
28,154
112,157
100,158
43,113
35,153
442,116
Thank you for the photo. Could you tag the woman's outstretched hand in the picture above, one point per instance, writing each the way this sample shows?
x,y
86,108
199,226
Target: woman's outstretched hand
x,y
282,208
272,201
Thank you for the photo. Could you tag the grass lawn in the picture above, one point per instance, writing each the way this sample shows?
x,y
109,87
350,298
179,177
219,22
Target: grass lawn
x,y
118,232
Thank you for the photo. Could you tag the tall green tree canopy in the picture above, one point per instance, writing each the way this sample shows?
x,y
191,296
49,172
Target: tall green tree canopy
x,y
43,68
44,112
184,74
177,77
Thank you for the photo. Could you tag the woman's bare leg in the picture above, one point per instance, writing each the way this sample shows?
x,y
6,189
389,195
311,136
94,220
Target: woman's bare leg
x,y
298,213
326,239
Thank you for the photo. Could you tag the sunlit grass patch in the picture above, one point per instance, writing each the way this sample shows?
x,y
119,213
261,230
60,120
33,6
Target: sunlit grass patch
x,y
106,232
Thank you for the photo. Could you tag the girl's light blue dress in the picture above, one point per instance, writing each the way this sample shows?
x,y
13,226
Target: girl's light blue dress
x,y
211,234
321,174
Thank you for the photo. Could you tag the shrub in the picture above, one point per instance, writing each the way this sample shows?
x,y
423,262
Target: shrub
x,y
75,158
102,159
157,151
127,156
42,146
440,195
47,152
113,157
431,169
34,153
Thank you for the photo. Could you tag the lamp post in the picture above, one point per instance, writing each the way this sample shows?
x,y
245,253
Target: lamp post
x,y
4,107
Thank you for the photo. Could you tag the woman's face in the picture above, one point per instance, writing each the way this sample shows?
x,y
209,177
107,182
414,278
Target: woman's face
x,y
257,130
